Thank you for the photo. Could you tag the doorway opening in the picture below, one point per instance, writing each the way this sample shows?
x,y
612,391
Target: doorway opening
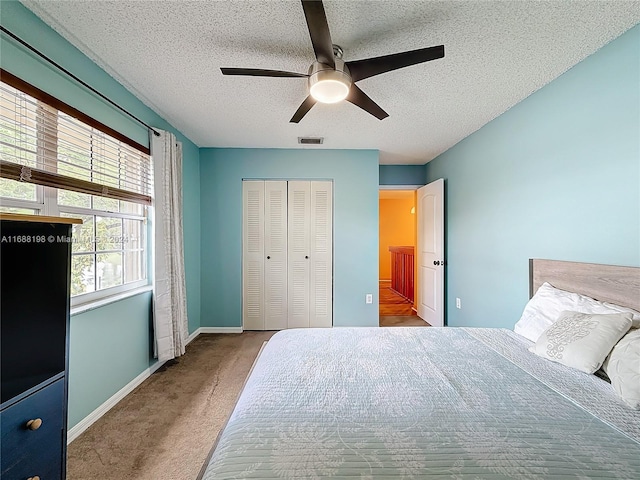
x,y
397,264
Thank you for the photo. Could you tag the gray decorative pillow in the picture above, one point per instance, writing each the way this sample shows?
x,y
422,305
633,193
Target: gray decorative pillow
x,y
623,368
580,340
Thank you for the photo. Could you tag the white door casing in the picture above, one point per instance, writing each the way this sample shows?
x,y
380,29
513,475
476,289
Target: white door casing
x,y
253,255
275,255
321,255
430,210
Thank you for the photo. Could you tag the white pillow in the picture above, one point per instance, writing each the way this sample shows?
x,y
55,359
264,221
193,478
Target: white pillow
x,y
622,366
635,315
581,340
545,307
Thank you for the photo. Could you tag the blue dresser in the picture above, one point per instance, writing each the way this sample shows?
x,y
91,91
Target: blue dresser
x,y
34,330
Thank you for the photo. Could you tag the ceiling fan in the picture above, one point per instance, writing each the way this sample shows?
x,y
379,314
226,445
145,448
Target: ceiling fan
x,y
330,78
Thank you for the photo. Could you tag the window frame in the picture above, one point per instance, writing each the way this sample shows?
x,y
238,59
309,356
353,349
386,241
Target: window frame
x,y
90,297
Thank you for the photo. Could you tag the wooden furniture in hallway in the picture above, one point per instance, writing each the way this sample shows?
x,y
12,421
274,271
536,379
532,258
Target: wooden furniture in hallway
x,y
402,271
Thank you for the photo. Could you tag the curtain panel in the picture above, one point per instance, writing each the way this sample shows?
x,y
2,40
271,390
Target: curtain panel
x,y
169,289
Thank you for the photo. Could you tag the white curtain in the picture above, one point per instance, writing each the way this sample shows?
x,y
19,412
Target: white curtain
x,y
169,290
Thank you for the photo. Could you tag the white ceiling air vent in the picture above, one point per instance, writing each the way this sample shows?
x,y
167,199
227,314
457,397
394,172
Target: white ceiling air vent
x,y
311,140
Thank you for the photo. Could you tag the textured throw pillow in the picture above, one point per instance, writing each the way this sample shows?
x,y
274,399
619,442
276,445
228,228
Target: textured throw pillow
x,y
545,307
623,368
582,341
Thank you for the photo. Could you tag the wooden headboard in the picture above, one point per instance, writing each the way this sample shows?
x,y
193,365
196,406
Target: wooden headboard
x,y
607,283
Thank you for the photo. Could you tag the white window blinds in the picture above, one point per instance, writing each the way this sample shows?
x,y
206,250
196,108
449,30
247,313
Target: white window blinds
x,y
45,145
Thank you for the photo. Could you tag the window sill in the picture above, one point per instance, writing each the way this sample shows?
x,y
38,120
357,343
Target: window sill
x,y
85,307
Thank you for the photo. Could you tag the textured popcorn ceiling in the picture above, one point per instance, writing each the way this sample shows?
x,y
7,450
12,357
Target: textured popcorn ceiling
x,y
169,54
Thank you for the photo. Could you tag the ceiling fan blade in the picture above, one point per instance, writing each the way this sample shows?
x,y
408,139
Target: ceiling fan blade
x,y
369,67
259,72
362,100
303,109
319,31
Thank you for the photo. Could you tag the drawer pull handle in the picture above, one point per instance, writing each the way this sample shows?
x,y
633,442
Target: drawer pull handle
x,y
34,425
36,477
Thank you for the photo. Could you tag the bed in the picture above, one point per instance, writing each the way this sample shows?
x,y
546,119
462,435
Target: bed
x,y
399,403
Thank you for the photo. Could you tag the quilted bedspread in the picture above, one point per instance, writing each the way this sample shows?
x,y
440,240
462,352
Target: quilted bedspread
x,y
402,403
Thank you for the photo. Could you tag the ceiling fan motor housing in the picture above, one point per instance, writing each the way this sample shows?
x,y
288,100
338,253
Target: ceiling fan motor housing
x,y
329,85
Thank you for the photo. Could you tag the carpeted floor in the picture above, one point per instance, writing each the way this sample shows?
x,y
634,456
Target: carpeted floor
x,y
165,428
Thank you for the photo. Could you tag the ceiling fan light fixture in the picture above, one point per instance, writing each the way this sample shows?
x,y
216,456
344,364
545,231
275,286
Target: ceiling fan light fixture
x,y
327,85
329,91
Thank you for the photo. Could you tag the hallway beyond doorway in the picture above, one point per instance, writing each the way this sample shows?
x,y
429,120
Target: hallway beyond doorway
x,y
391,303
395,310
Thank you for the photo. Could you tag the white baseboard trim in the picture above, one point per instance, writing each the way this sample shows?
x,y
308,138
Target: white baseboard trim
x,y
90,419
221,330
200,330
214,330
193,335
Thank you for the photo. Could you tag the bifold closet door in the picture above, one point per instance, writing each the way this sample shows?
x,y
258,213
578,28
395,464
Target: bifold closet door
x,y
321,258
253,255
275,250
264,255
287,254
299,251
310,254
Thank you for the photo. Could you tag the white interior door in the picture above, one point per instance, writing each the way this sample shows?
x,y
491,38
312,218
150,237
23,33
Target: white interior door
x,y
430,203
320,255
299,207
275,254
253,255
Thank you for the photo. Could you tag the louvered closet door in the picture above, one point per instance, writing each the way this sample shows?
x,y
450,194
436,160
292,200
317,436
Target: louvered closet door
x,y
299,207
253,255
321,258
275,250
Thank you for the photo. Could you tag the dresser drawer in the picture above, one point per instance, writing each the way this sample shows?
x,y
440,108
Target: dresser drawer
x,y
27,452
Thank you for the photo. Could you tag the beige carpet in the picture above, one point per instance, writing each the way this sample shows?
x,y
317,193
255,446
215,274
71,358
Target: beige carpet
x,y
165,428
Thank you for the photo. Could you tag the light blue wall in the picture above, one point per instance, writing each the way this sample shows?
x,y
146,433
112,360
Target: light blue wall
x,y
355,177
191,230
557,176
108,348
402,175
110,344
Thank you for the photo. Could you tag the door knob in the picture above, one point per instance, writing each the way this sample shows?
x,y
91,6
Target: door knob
x,y
268,257
306,256
34,424
436,262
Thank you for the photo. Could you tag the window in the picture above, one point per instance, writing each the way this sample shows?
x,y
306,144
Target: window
x,y
53,164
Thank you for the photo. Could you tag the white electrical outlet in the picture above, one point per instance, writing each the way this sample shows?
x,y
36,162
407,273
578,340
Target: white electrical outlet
x,y
458,303
369,298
